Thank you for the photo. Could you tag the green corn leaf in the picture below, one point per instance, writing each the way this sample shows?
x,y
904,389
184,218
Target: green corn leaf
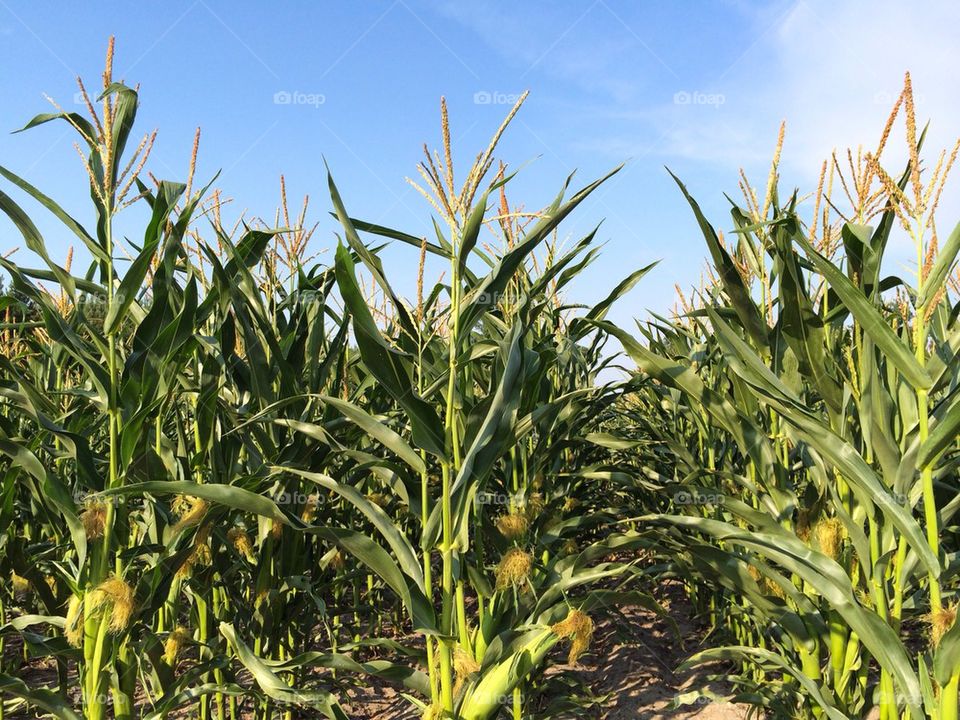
x,y
733,283
276,688
391,368
377,430
391,533
848,461
872,322
133,279
484,697
46,700
830,581
942,266
75,227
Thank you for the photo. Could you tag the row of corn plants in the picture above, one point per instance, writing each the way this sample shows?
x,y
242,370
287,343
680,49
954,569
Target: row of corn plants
x,y
236,482
803,414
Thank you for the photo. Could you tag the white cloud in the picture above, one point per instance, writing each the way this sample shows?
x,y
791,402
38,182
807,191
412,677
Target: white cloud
x,y
842,68
582,43
832,71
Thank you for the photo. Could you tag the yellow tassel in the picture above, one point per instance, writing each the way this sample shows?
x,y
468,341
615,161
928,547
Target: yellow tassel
x,y
21,586
190,510
174,643
73,626
514,568
579,628
200,555
941,623
310,509
433,712
512,526
94,518
774,588
535,506
378,499
241,542
829,532
115,594
464,665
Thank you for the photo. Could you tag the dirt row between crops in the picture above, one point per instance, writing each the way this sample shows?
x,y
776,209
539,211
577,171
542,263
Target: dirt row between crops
x,y
636,663
629,672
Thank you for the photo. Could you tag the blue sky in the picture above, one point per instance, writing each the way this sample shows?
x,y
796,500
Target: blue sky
x,y
698,86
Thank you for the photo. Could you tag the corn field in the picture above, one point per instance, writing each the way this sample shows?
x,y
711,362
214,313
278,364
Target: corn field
x,y
236,482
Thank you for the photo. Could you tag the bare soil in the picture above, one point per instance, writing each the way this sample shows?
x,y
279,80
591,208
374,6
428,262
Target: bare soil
x,y
634,666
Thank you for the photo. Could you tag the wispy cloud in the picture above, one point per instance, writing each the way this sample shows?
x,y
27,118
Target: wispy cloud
x,y
579,43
